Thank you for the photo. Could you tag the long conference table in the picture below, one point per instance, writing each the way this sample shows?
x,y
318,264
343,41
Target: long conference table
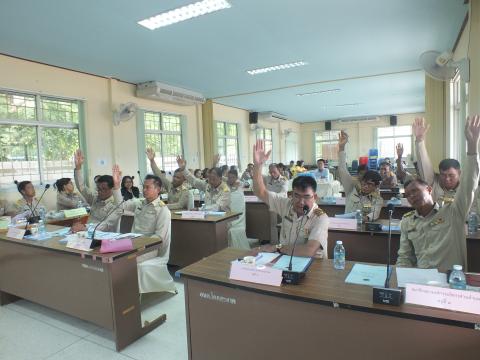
x,y
322,318
100,288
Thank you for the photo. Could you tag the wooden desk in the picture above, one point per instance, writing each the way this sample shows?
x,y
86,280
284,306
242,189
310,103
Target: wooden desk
x,y
100,288
321,318
194,239
68,222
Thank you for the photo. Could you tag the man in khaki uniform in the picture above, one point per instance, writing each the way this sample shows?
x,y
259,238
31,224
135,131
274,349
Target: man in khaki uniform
x,y
101,203
434,236
276,182
444,185
363,195
217,193
402,175
177,190
153,219
312,227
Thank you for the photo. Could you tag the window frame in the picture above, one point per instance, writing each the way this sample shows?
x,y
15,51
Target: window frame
x,y
332,140
262,137
225,137
377,141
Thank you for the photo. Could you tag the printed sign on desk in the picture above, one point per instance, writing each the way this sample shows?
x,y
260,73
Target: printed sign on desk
x,y
340,201
75,212
193,215
340,223
262,274
16,233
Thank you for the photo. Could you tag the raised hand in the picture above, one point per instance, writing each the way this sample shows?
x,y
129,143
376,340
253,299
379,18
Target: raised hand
x,y
117,177
472,133
216,160
259,154
181,162
420,129
342,140
150,154
79,159
399,150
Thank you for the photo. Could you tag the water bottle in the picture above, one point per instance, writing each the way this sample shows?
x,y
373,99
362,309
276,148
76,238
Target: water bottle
x,y
79,204
41,214
472,223
457,278
90,228
41,227
358,216
339,256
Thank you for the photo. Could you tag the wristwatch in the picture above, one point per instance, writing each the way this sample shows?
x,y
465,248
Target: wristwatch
x,y
278,248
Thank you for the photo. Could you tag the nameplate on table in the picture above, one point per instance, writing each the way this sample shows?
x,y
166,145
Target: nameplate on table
x,y
78,242
72,213
340,201
16,233
252,198
259,274
443,298
193,214
4,222
340,223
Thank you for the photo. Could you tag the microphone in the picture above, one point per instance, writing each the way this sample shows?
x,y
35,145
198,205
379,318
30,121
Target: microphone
x,y
140,177
99,242
305,212
41,197
34,219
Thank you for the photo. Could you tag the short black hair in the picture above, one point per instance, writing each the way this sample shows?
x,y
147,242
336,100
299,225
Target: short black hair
x,y
304,182
446,164
384,163
417,180
233,172
106,179
374,176
218,171
95,178
60,183
273,166
299,162
224,167
22,185
322,160
156,180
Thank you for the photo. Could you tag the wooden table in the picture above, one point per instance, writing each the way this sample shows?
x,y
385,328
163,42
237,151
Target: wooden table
x,y
68,222
194,239
322,318
100,288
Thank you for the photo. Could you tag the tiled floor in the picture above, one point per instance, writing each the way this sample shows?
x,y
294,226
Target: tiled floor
x,y
31,331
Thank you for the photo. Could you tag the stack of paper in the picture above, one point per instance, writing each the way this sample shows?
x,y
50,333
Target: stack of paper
x,y
420,276
362,274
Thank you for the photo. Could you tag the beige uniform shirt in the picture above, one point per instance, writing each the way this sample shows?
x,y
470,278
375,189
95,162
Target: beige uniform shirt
x,y
99,209
151,219
177,196
3,207
68,201
314,227
216,199
438,240
389,181
370,205
21,207
279,185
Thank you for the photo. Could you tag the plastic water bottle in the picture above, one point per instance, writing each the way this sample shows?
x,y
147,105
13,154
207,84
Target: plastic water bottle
x,y
41,214
339,256
472,223
41,227
457,278
90,228
358,216
79,204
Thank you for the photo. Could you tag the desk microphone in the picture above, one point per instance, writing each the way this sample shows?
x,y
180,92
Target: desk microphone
x,y
38,202
140,177
96,243
34,219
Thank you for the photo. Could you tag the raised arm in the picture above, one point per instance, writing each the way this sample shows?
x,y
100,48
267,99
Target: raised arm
x,y
128,205
346,179
259,158
400,171
216,160
156,170
191,179
425,167
78,176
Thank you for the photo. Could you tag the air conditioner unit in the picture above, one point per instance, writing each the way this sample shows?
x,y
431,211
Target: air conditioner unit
x,y
271,116
155,90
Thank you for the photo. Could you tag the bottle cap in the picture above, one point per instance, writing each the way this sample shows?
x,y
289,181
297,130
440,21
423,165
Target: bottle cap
x,y
457,267
339,242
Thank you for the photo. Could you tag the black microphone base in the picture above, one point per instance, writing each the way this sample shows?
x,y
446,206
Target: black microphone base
x,y
388,296
33,219
95,243
292,277
371,226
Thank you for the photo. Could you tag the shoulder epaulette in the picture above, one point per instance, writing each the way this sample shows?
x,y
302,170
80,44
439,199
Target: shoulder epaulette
x,y
318,212
410,213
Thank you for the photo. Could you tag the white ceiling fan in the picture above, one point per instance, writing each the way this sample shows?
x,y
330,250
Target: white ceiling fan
x,y
440,66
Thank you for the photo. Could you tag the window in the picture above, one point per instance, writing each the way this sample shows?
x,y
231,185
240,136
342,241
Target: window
x,y
38,137
227,143
266,135
326,145
163,133
389,137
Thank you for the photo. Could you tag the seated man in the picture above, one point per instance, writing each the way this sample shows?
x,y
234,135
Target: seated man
x,y
434,236
322,172
276,182
217,193
28,206
363,196
232,180
402,175
102,203
312,227
248,173
152,219
444,185
389,180
177,189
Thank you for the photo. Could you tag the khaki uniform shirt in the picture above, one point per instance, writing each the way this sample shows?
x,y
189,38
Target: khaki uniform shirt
x,y
68,201
370,205
279,185
21,207
4,207
99,209
151,219
177,196
314,227
389,181
216,199
438,240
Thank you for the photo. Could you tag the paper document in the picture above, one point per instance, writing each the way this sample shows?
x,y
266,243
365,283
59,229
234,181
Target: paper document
x,y
342,223
362,274
263,258
79,243
39,237
299,263
420,276
346,216
128,235
394,227
340,201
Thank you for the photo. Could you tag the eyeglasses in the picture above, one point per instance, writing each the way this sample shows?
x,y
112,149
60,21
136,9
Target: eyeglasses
x,y
297,196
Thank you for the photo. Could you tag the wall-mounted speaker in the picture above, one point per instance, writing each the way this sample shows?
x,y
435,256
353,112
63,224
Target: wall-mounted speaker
x,y
393,120
253,118
328,125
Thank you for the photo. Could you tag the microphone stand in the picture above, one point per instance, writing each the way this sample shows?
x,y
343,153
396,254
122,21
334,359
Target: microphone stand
x,y
98,242
389,270
34,219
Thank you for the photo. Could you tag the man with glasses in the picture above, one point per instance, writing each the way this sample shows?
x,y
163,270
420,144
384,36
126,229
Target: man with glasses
x,y
301,216
434,236
101,203
363,196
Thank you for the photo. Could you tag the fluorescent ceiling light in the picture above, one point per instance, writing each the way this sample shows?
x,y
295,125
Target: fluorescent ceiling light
x,y
352,104
319,92
184,13
276,67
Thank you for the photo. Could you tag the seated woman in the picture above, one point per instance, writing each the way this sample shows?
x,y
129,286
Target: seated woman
x,y
67,198
197,173
28,205
128,190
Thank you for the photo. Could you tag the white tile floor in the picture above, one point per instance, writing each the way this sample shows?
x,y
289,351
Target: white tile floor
x,y
30,331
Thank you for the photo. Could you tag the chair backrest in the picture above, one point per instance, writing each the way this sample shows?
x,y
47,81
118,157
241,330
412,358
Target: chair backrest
x,y
237,204
126,223
354,165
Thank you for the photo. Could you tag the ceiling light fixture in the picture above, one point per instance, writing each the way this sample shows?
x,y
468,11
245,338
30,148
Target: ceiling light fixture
x,y
319,92
276,67
352,104
184,13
